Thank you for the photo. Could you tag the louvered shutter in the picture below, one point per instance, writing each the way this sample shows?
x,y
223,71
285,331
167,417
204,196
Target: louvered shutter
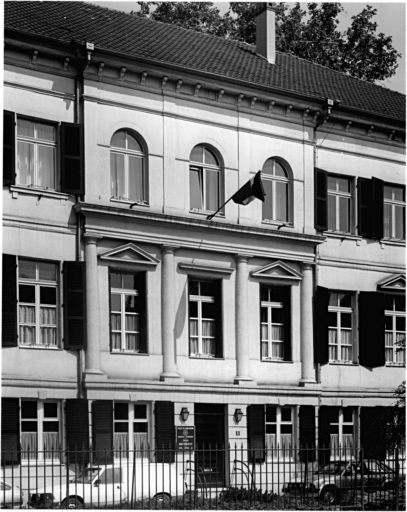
x,y
9,297
321,347
372,432
287,322
102,422
256,433
72,159
327,415
77,430
74,304
141,307
321,199
377,209
10,431
9,148
217,285
371,329
365,195
164,431
307,433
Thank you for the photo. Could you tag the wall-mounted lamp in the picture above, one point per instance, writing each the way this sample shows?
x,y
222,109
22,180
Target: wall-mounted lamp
x,y
184,414
238,415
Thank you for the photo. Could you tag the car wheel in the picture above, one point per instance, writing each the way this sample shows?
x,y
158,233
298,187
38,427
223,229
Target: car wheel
x,y
329,495
163,500
71,503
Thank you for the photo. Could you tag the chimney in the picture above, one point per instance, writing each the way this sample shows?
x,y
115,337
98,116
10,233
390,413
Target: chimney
x,y
266,33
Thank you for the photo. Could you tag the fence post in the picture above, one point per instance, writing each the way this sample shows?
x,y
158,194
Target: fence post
x,y
362,475
397,469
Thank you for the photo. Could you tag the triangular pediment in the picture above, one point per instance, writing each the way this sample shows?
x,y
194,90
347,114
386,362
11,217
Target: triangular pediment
x,y
277,270
397,282
129,253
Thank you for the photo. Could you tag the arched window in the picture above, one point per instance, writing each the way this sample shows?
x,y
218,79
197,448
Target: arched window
x,y
205,180
276,183
128,168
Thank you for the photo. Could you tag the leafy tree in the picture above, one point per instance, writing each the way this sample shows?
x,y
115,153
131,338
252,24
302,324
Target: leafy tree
x,y
358,51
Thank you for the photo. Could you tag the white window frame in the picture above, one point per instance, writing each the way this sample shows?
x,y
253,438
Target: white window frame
x,y
342,449
393,203
200,299
399,356
36,143
40,453
37,283
123,293
286,451
274,180
203,168
338,310
337,194
132,450
126,152
270,305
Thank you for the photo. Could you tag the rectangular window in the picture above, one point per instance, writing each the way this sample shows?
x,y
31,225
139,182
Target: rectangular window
x,y
40,429
202,318
394,226
279,431
130,434
340,327
36,154
395,330
340,204
341,432
272,323
37,303
127,301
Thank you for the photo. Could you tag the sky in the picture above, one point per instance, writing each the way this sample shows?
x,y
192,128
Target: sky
x,y
391,20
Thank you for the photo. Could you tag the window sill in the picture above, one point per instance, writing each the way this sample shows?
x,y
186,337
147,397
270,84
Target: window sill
x,y
19,189
347,236
343,363
128,353
395,365
144,204
270,360
389,241
206,213
276,224
204,356
40,347
35,462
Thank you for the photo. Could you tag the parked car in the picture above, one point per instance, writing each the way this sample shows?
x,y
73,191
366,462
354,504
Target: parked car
x,y
112,484
329,482
11,496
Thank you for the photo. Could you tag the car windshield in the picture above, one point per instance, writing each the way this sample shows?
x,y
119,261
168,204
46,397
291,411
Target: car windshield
x,y
87,475
333,468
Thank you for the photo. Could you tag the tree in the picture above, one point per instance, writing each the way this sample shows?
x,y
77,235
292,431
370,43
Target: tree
x,y
358,51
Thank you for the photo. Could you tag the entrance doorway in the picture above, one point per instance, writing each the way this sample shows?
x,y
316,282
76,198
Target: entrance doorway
x,y
210,444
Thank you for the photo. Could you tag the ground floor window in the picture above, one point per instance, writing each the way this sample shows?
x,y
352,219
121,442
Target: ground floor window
x,y
40,429
130,433
342,431
279,431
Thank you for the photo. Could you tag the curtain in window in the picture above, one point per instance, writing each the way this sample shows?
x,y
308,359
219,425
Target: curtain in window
x,y
277,349
344,207
342,450
331,212
136,179
212,190
29,445
117,175
25,163
400,222
267,207
193,339
27,334
208,334
333,345
140,441
264,349
281,201
116,325
116,341
282,449
132,342
120,444
388,341
387,220
346,345
51,445
277,332
46,167
48,334
400,354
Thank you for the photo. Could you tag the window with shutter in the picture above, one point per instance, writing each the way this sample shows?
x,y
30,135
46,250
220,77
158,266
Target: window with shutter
x,y
9,301
131,430
341,327
394,213
279,432
164,431
395,328
371,329
340,204
275,328
74,273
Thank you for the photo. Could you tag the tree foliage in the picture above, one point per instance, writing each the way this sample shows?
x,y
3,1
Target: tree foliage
x,y
311,34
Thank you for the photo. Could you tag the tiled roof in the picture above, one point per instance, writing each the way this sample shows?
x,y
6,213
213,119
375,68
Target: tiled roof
x,y
141,38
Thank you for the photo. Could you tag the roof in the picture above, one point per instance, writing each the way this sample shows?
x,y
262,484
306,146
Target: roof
x,y
168,44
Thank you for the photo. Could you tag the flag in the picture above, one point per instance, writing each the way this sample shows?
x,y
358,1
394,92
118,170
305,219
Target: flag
x,y
252,189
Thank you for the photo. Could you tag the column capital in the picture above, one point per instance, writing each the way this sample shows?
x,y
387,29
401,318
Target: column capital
x,y
242,257
89,238
307,266
167,248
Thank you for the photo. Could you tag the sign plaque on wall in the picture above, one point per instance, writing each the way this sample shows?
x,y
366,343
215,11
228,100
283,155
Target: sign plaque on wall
x,y
185,438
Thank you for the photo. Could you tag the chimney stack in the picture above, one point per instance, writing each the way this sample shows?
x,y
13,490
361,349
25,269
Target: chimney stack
x,y
266,33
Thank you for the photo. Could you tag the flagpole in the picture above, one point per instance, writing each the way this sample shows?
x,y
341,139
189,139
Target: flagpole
x,y
210,217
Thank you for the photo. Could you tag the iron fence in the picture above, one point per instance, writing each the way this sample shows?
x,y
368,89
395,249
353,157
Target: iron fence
x,y
209,477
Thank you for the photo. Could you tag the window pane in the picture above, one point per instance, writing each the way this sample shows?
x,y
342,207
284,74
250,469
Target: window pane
x,y
285,414
286,429
25,128
333,299
48,295
132,323
332,319
50,410
129,281
400,323
210,158
25,163
47,271
347,414
129,304
267,207
29,426
197,154
387,192
117,175
271,414
208,310
193,287
400,303
398,193
277,293
121,411
28,409
263,313
26,269
279,170
115,302
195,188
193,309
116,280
122,426
264,293
212,190
50,426
268,167
348,429
140,427
271,429
387,220
331,183
46,167
48,316
133,144
119,140
346,320
388,322
343,184
331,212
277,315
45,132
140,412
400,222
344,214
281,201
207,289
345,300
26,293
136,179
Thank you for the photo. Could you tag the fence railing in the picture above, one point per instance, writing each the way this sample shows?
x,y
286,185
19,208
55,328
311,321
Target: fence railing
x,y
205,478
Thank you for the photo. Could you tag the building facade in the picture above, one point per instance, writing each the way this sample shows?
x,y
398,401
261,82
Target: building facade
x,y
123,304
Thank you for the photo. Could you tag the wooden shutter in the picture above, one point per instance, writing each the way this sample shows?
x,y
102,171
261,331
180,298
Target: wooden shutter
x,y
217,285
102,422
321,347
321,199
164,431
256,432
9,148
74,304
287,322
377,208
365,224
327,415
141,307
77,430
72,159
371,329
307,433
10,431
372,432
9,291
